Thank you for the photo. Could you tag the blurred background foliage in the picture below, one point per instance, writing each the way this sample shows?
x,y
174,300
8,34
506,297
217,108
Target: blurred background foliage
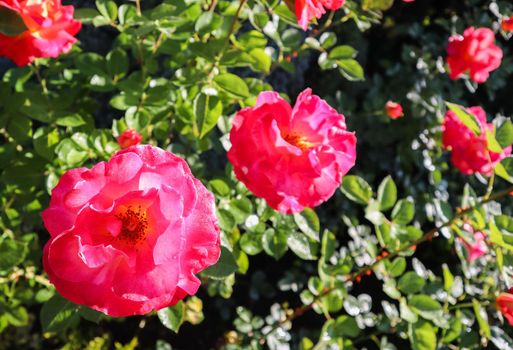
x,y
177,71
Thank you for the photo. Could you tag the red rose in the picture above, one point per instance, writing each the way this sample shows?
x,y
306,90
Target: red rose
x,y
505,305
292,157
507,24
306,10
474,52
394,110
129,235
129,137
51,30
470,152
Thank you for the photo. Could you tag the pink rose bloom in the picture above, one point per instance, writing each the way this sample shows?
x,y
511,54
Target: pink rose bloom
x,y
50,30
394,110
292,157
475,53
306,10
479,248
129,137
470,152
129,235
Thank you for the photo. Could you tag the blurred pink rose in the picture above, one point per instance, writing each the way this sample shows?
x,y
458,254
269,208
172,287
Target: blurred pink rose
x,y
306,10
474,53
394,110
129,235
50,30
129,137
478,248
292,157
470,152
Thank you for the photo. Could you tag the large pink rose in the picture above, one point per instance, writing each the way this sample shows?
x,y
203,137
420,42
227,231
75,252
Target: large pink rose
x,y
306,10
50,30
470,152
129,235
292,157
474,53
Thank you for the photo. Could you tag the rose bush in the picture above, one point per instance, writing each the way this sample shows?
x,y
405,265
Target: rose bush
x,y
324,224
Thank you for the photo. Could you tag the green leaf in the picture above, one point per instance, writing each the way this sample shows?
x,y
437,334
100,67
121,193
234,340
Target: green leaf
x,y
225,266
505,169
466,117
299,244
203,22
397,267
387,193
275,243
12,253
71,120
482,319
342,52
20,128
492,143
261,60
356,189
108,9
11,23
207,110
504,134
117,63
422,335
411,283
426,306
404,212
58,314
220,187
328,245
172,317
382,5
448,278
308,223
346,326
350,69
232,84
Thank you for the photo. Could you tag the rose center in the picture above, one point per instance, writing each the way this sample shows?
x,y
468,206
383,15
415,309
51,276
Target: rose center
x,y
297,140
134,225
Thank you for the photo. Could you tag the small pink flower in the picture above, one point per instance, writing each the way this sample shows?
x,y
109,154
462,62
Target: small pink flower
x,y
408,0
507,24
292,157
394,110
129,137
129,235
50,30
504,304
470,152
306,10
475,53
478,248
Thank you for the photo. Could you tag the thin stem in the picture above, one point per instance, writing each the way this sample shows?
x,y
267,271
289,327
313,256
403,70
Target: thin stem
x,y
138,6
490,185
